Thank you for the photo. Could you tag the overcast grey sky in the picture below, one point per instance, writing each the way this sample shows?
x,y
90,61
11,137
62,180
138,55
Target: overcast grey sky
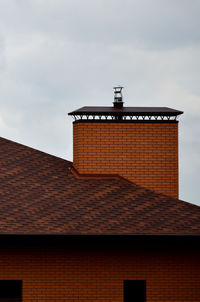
x,y
59,55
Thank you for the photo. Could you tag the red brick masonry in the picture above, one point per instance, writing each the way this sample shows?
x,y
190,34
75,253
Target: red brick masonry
x,y
145,153
81,273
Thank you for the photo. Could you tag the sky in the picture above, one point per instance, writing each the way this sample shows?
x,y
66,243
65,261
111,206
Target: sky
x,y
59,55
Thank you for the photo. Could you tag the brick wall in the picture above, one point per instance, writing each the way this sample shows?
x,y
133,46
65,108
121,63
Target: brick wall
x,y
96,274
145,153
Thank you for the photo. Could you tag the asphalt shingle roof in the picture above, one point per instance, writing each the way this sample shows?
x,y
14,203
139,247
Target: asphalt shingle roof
x,y
39,194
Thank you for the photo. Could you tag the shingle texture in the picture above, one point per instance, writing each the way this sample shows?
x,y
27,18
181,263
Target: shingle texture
x,y
39,194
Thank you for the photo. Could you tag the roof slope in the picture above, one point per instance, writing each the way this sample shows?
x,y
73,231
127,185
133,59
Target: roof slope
x,y
40,195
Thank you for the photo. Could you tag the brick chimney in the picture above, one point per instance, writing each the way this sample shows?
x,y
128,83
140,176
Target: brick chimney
x,y
137,143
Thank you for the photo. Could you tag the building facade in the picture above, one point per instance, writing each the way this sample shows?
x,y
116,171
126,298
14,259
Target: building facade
x,y
107,227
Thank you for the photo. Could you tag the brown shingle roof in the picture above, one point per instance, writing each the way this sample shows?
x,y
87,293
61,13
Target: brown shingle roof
x,y
41,195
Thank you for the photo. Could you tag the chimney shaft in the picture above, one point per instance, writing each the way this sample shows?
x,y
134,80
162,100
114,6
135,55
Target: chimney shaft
x,y
141,145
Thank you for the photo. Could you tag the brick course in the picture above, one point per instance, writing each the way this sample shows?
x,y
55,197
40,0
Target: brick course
x,y
144,153
64,273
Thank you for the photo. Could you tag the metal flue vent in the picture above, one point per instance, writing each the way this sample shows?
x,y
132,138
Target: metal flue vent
x,y
118,98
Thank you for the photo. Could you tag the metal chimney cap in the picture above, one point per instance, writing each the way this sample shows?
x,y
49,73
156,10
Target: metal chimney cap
x,y
118,87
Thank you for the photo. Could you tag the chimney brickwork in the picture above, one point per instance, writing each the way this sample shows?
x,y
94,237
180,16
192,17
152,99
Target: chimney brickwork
x,y
145,153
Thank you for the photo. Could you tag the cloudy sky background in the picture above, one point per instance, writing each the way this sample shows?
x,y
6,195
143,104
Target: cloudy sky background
x,y
59,55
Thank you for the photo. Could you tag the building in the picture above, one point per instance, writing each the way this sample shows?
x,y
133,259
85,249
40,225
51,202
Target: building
x,y
107,227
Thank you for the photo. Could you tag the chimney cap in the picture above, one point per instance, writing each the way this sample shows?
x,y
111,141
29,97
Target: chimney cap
x,y
118,87
131,114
